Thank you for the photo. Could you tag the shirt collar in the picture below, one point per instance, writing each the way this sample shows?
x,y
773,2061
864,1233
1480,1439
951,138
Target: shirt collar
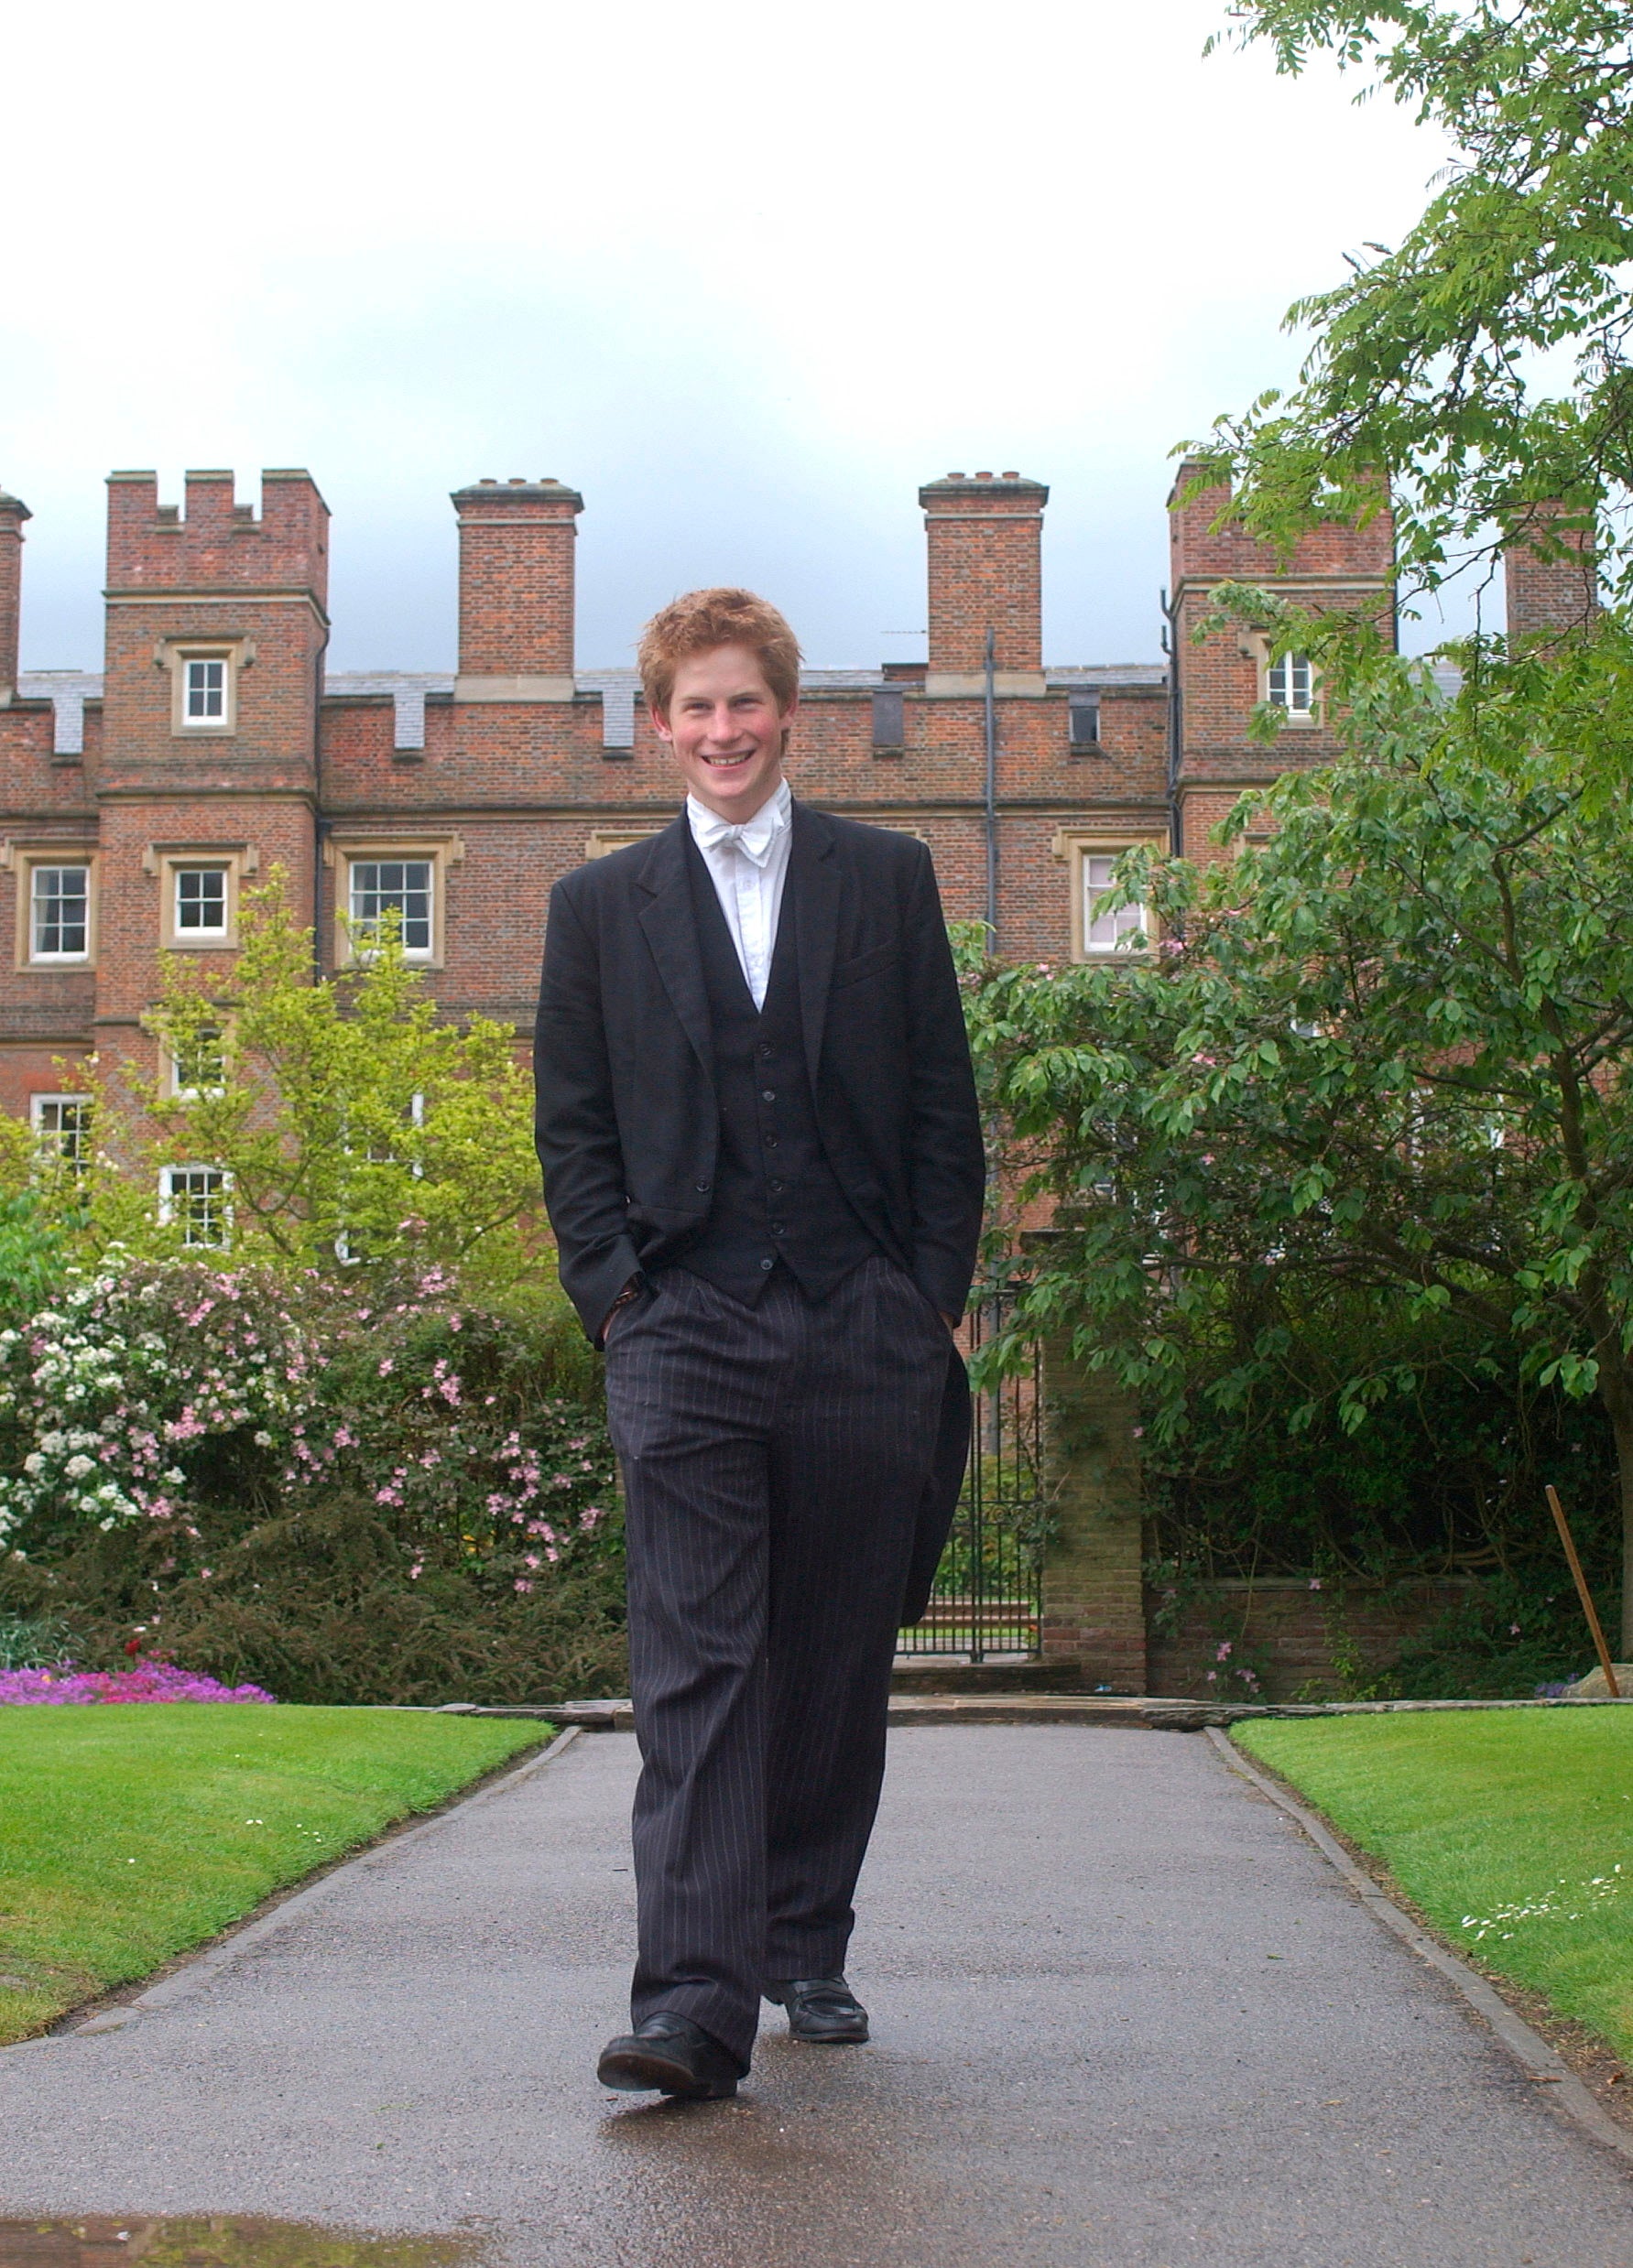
x,y
753,837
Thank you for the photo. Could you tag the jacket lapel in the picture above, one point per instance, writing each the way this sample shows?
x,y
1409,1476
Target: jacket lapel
x,y
671,933
815,876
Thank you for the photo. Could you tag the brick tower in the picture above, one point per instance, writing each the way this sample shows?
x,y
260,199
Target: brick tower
x,y
1221,680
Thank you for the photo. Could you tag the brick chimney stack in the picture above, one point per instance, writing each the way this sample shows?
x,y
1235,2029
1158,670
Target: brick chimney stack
x,y
13,513
985,538
515,540
1552,582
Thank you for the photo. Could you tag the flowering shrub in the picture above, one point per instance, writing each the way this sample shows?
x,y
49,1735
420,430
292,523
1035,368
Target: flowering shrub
x,y
120,1394
148,1681
352,1490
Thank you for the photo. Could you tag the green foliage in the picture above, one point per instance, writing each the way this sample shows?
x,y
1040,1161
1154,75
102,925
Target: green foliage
x,y
1383,1055
1483,362
360,1128
34,1642
1446,1479
35,1246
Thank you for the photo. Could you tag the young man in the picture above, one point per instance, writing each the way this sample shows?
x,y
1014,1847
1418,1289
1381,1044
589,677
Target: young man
x,y
763,1163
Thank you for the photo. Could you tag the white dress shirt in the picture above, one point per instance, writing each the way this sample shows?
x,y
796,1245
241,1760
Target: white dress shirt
x,y
748,864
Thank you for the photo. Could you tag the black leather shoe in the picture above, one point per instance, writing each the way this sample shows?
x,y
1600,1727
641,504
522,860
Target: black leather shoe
x,y
823,2010
671,2053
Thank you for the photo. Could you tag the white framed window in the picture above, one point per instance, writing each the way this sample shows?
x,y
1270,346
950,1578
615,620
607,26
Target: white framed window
x,y
59,911
204,690
379,876
61,1124
1289,684
404,886
199,1200
199,889
198,1063
199,913
1107,928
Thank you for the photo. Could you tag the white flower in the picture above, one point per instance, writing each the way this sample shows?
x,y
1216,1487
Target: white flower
x,y
34,1462
78,1467
174,1477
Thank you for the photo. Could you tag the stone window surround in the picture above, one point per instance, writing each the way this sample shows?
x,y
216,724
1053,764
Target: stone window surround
x,y
1255,646
240,862
1071,845
344,847
21,858
174,654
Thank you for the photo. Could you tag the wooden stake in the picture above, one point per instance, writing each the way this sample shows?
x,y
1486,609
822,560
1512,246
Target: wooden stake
x,y
1563,1525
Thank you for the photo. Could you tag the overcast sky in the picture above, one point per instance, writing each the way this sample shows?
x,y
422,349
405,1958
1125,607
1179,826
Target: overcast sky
x,y
745,274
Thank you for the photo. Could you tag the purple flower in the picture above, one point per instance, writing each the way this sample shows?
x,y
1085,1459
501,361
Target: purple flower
x,y
146,1681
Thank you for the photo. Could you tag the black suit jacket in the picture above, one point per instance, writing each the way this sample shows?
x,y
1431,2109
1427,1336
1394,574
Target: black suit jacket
x,y
627,1124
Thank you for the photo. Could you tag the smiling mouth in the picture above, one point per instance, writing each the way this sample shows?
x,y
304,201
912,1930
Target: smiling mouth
x,y
724,763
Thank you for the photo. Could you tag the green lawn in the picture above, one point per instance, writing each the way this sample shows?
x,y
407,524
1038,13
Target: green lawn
x,y
1507,1828
129,1833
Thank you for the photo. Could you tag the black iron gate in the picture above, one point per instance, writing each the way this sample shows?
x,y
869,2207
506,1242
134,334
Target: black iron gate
x,y
989,1595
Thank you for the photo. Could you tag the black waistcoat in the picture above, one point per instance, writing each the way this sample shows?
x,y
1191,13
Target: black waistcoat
x,y
775,1197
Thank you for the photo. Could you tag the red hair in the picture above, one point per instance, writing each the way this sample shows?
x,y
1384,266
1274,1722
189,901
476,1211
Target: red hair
x,y
702,619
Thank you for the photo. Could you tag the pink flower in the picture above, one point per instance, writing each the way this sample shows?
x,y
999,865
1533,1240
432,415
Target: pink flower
x,y
1224,1653
521,1585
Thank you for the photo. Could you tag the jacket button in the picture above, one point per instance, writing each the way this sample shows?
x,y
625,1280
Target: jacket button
x,y
768,1264
767,1094
702,1189
778,1229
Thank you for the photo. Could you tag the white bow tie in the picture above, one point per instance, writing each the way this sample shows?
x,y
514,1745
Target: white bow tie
x,y
753,837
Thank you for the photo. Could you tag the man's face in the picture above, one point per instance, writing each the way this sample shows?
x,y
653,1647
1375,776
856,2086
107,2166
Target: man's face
x,y
726,730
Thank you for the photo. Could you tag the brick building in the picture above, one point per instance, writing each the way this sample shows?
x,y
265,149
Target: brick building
x,y
136,805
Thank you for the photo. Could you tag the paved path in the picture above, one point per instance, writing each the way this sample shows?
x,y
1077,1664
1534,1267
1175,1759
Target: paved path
x,y
1124,2018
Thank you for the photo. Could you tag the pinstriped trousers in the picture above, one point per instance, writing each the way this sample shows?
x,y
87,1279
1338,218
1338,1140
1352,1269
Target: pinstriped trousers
x,y
773,1458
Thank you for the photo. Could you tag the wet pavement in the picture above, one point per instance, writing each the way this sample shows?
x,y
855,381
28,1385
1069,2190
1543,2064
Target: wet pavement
x,y
1124,2018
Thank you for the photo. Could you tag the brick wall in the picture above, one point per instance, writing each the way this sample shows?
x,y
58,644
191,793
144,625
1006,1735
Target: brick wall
x,y
1288,1630
1552,585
